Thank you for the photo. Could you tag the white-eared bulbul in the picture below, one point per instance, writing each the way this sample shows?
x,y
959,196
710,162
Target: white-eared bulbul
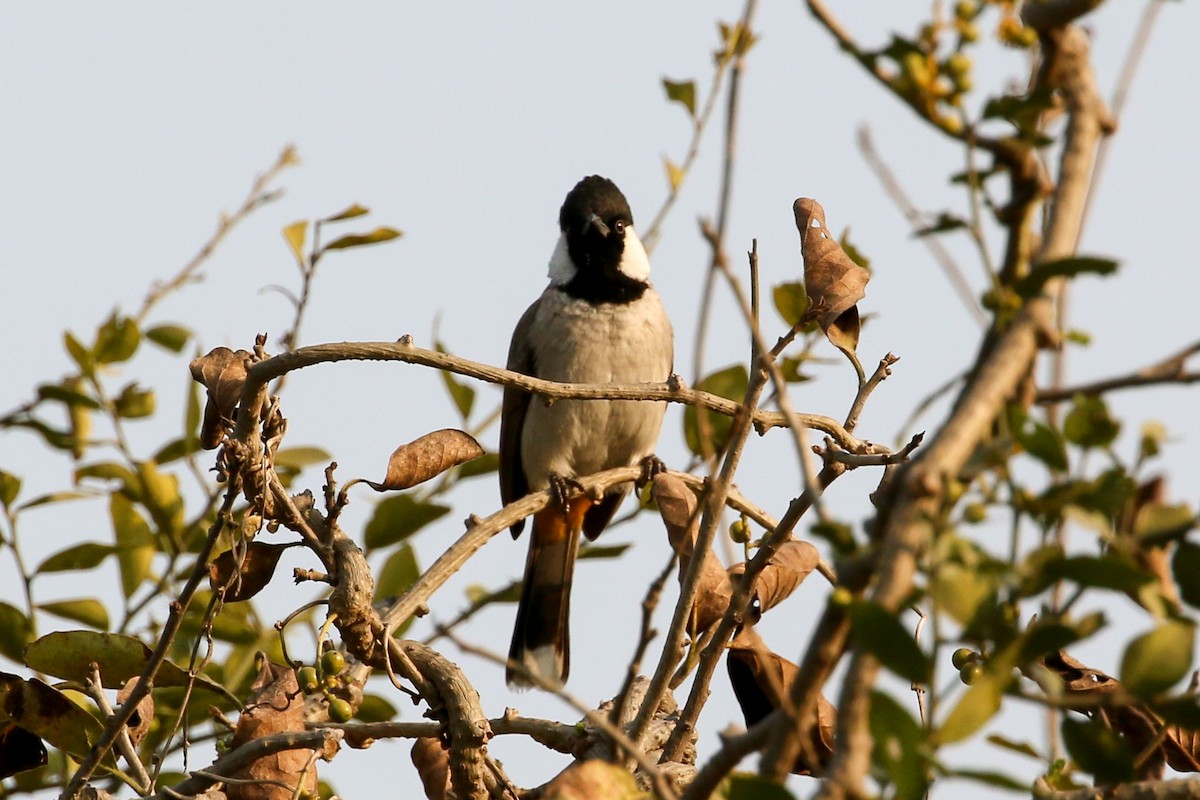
x,y
599,321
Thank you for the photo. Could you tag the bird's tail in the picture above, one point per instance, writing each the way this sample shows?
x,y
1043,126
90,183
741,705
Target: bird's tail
x,y
541,639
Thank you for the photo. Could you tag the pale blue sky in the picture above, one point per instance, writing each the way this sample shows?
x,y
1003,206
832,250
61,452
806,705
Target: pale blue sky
x,y
126,128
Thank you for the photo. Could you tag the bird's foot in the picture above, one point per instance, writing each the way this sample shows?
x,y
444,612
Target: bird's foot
x,y
561,489
652,466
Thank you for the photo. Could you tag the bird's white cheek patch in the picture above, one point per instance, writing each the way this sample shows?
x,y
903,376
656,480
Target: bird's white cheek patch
x,y
634,261
562,269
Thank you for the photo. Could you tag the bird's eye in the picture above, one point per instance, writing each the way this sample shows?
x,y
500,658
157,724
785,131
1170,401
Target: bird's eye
x,y
619,227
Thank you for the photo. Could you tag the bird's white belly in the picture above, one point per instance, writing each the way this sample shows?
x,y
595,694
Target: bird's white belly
x,y
630,343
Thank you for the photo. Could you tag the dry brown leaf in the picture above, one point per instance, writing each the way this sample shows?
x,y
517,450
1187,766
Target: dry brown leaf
x,y
432,761
277,706
223,373
1140,727
786,570
761,681
677,507
243,580
592,780
833,281
427,457
139,723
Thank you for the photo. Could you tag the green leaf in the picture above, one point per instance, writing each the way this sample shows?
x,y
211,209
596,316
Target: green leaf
x,y
81,355
597,551
375,708
53,497
50,714
1088,423
897,747
10,487
89,611
135,402
399,572
354,210
1098,749
997,779
84,556
397,518
791,301
70,654
294,236
66,394
729,383
486,464
675,173
176,449
1031,285
1185,564
161,497
1042,442
15,631
944,223
117,340
1159,523
462,394
682,92
1102,572
882,635
111,471
978,704
135,542
1021,748
169,337
381,234
1156,661
746,786
300,457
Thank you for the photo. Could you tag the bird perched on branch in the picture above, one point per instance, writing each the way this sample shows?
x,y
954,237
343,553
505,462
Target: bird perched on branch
x,y
599,321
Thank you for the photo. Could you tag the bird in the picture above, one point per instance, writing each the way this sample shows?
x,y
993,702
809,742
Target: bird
x,y
598,321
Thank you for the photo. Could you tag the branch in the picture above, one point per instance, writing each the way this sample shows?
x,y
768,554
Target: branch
x,y
906,529
1188,789
1169,370
557,736
405,351
324,740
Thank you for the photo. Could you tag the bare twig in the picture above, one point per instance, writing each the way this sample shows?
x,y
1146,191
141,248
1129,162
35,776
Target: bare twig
x,y
258,196
918,220
1170,370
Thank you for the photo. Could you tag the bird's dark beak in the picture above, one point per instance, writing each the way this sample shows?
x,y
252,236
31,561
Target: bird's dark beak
x,y
595,222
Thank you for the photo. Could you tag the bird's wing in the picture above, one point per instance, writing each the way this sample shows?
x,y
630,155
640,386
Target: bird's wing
x,y
513,485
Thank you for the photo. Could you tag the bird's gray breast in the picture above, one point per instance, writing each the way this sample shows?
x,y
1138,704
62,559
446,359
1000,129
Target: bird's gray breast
x,y
575,341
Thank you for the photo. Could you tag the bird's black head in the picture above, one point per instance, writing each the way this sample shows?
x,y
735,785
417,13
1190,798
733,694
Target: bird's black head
x,y
609,262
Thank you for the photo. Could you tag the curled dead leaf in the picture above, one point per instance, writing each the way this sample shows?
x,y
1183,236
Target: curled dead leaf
x,y
834,282
223,372
1142,729
786,570
677,507
139,723
761,681
276,706
432,761
245,577
427,457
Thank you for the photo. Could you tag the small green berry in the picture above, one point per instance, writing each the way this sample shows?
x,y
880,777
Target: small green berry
x,y
971,673
739,531
308,680
975,513
332,662
340,710
963,656
841,597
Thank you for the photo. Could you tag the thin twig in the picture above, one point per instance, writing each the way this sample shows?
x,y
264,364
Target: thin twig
x,y
918,221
